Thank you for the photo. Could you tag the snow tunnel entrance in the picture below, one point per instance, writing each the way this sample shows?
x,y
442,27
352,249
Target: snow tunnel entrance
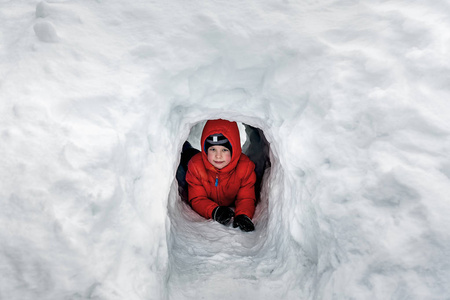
x,y
186,224
198,247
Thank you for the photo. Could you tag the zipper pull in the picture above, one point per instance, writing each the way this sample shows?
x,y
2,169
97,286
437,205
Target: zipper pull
x,y
217,180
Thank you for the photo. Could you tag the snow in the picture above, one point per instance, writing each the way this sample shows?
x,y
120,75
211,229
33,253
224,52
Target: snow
x,y
98,97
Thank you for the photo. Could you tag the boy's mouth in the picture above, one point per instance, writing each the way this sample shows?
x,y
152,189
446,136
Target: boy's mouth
x,y
219,162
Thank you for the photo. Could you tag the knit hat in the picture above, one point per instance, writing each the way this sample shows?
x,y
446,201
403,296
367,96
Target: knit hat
x,y
217,140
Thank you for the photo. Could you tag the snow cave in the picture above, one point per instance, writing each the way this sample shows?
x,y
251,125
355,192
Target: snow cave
x,y
194,243
349,100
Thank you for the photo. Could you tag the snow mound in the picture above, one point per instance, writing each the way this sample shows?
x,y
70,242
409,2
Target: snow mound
x,y
97,98
46,32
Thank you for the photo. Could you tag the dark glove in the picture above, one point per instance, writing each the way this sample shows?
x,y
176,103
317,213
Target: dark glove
x,y
244,223
222,214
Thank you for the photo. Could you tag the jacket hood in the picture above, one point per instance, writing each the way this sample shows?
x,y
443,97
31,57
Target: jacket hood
x,y
231,132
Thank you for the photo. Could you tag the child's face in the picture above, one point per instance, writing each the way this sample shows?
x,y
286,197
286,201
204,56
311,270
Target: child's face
x,y
219,156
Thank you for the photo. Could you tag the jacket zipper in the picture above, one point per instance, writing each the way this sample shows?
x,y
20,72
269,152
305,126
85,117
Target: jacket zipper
x,y
217,189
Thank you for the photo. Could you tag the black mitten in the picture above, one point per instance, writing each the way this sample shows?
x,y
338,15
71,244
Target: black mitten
x,y
222,214
244,223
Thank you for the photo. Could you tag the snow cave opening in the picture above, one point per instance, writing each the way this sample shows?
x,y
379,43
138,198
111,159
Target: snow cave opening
x,y
186,224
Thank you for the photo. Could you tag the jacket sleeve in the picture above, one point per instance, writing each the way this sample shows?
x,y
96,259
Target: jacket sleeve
x,y
197,194
245,199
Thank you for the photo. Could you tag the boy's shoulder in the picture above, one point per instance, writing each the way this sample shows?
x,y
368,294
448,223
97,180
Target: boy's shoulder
x,y
244,159
244,164
196,166
196,160
197,157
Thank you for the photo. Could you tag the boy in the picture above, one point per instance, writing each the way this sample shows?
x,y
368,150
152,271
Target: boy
x,y
221,176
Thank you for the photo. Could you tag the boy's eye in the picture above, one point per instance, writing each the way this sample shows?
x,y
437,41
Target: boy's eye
x,y
225,150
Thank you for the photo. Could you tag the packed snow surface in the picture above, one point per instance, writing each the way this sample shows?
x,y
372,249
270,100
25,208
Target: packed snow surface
x,y
98,97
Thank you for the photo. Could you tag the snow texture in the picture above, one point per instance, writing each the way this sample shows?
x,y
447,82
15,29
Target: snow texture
x,y
98,97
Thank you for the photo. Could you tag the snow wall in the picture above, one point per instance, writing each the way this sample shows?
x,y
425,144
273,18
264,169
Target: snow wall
x,y
97,98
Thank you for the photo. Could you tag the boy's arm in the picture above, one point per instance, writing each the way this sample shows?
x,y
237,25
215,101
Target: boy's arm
x,y
245,199
197,194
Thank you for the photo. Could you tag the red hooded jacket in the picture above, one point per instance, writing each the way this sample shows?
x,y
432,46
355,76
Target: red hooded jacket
x,y
235,182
